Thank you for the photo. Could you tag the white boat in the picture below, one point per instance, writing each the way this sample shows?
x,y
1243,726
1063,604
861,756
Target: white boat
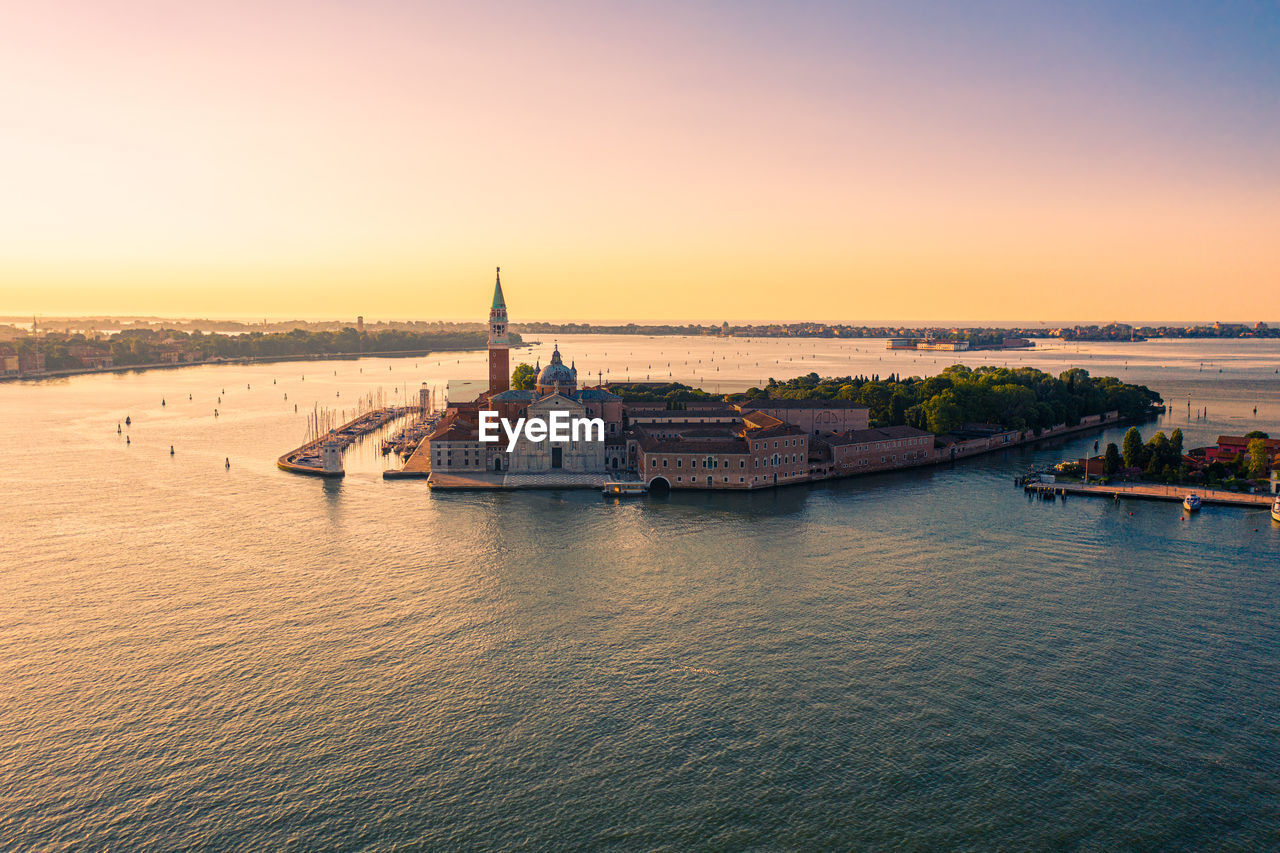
x,y
1275,510
1191,503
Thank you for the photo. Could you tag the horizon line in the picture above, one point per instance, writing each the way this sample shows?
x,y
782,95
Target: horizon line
x,y
24,319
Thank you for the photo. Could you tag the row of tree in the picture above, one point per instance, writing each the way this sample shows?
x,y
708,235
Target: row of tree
x,y
146,346
1021,398
1024,398
1160,458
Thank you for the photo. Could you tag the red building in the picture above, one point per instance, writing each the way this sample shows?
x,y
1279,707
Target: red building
x,y
1230,447
862,450
744,455
815,417
91,356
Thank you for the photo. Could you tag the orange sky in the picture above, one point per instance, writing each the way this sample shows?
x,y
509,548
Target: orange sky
x,y
691,162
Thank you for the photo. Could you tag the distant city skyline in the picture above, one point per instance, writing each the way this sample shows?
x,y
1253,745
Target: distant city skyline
x,y
750,163
25,321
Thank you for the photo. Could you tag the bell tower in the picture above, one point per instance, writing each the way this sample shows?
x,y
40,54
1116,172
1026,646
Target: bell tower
x,y
499,343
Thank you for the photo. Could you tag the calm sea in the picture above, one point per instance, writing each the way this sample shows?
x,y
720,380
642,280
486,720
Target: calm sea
x,y
197,657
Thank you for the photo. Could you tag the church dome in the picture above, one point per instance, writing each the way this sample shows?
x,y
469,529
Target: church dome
x,y
556,377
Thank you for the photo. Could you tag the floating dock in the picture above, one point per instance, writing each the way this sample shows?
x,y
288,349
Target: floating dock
x,y
1154,492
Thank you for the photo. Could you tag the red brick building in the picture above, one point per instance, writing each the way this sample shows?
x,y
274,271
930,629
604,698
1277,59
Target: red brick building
x,y
863,450
499,342
1230,447
720,456
815,417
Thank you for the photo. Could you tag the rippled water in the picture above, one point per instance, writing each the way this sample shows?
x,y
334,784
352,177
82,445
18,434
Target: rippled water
x,y
196,657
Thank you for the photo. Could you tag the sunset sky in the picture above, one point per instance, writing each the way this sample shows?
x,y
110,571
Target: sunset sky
x,y
741,161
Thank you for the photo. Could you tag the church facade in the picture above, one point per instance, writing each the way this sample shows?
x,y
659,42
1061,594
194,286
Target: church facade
x,y
455,445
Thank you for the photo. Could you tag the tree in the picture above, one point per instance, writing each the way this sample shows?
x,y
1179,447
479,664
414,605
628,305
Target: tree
x,y
1257,433
1159,453
1258,459
1111,461
523,377
1175,442
1133,448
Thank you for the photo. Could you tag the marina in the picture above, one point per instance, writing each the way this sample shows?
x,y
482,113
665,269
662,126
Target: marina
x,y
317,456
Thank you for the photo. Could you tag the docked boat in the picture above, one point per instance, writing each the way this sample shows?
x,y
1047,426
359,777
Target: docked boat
x,y
1191,503
1275,510
624,488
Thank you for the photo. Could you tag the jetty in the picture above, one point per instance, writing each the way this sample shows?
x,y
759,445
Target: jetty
x,y
409,439
322,456
1151,491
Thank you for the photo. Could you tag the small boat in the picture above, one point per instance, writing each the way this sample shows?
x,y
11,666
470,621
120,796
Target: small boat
x,y
1275,510
624,489
1191,503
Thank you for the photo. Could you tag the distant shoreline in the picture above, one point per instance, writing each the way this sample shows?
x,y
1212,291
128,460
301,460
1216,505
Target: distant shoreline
x,y
262,359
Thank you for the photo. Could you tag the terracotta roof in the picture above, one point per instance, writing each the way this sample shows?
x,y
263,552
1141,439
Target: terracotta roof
x,y
760,420
723,412
1241,441
799,404
774,431
454,428
687,428
869,436
515,395
708,445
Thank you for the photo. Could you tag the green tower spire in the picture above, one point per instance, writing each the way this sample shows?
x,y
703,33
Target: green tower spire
x,y
498,301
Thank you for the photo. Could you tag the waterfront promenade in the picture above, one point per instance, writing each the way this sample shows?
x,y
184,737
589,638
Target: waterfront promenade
x,y
1153,491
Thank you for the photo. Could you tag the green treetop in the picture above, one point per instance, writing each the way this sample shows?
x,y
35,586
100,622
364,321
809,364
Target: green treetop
x,y
1132,448
523,378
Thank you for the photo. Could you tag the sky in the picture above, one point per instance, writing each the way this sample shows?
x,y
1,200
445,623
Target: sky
x,y
684,161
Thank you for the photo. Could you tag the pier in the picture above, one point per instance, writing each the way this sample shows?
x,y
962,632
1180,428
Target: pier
x,y
1152,491
310,457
